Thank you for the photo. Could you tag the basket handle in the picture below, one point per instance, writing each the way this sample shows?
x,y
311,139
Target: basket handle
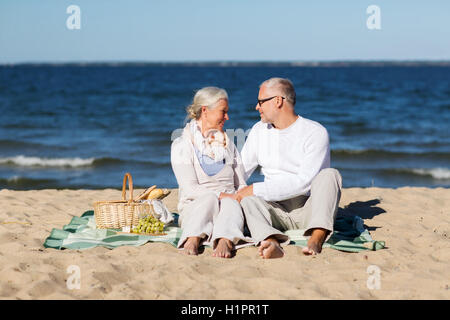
x,y
130,186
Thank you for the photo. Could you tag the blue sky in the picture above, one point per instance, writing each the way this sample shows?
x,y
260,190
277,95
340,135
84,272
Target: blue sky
x,y
231,30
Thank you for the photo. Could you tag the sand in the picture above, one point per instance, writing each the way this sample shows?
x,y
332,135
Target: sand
x,y
414,222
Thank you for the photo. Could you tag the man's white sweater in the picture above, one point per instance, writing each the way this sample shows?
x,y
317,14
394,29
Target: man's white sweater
x,y
289,158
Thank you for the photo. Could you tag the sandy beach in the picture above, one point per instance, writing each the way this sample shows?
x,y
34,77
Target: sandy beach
x,y
414,222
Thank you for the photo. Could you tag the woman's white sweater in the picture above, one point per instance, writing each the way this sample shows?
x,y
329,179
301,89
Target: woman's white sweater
x,y
193,182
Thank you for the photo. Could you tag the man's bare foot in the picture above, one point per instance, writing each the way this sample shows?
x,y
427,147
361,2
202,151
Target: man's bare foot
x,y
315,242
270,248
191,246
223,248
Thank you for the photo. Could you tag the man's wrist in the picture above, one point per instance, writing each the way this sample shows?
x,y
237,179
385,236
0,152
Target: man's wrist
x,y
246,192
250,190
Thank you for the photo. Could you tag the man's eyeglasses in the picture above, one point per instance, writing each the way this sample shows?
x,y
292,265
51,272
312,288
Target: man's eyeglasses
x,y
260,102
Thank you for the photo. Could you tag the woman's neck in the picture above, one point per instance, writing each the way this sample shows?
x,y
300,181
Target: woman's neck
x,y
204,128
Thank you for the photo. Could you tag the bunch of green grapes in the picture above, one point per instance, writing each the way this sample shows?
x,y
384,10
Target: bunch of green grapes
x,y
149,224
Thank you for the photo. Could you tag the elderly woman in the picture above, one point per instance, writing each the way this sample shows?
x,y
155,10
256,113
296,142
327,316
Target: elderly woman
x,y
209,171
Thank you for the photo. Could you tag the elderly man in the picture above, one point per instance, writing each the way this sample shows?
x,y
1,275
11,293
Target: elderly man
x,y
300,190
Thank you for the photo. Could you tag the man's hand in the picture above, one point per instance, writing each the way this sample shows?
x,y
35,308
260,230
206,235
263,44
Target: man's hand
x,y
246,192
238,196
234,196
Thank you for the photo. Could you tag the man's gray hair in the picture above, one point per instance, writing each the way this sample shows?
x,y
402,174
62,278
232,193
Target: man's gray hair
x,y
284,85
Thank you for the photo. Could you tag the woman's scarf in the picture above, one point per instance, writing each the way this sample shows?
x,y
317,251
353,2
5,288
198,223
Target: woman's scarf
x,y
214,145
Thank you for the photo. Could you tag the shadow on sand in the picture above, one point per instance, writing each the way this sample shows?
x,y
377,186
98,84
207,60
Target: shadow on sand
x,y
363,209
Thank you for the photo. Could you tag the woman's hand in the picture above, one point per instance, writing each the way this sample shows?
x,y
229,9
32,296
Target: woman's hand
x,y
234,196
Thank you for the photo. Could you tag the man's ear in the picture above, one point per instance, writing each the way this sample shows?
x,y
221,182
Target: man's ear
x,y
204,108
279,102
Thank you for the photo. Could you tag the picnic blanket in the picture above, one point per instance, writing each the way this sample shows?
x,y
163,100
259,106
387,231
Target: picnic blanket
x,y
81,233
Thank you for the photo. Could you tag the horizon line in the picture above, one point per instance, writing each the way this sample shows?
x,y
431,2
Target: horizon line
x,y
226,63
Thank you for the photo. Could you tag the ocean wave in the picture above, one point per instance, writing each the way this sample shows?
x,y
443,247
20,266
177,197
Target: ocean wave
x,y
433,173
24,161
386,154
24,182
436,173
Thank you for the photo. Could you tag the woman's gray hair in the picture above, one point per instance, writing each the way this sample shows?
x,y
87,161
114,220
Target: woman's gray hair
x,y
208,96
284,85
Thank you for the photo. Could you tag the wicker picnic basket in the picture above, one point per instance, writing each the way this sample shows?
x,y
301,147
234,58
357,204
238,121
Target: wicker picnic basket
x,y
121,213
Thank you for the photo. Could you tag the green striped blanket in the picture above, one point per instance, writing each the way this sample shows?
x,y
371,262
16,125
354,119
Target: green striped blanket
x,y
81,233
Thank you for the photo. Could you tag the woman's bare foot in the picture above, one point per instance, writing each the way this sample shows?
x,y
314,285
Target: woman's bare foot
x,y
191,246
223,248
315,242
270,248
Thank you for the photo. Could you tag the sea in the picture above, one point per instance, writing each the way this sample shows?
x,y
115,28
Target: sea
x,y
73,126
